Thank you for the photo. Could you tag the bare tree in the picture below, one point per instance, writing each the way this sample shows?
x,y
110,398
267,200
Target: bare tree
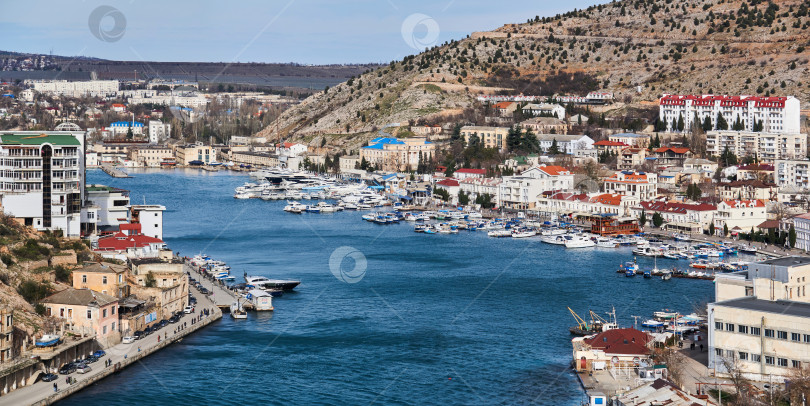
x,y
675,362
742,386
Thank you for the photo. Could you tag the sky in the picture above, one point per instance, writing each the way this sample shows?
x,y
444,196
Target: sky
x,y
302,31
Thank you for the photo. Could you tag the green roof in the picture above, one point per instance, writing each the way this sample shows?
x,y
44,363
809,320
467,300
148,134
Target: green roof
x,y
38,139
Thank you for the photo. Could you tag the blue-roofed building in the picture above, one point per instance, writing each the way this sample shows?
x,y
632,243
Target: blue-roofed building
x,y
122,128
394,154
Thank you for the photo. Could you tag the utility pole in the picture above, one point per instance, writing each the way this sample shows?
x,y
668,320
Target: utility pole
x,y
635,321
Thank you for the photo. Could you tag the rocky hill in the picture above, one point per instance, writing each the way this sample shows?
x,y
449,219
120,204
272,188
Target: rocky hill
x,y
637,49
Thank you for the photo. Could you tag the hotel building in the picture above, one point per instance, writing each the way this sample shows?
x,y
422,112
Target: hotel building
x,y
778,115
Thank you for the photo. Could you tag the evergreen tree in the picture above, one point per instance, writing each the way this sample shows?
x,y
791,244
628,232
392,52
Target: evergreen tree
x,y
711,228
725,230
707,124
554,149
658,219
643,219
721,122
792,236
680,123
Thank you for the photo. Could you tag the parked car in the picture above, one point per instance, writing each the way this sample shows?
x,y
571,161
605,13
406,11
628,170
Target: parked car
x,y
139,334
49,377
174,319
90,359
67,369
188,309
128,340
99,353
163,323
83,369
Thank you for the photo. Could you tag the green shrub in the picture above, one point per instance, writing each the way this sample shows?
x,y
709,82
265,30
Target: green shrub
x,y
62,274
40,309
33,291
7,259
31,251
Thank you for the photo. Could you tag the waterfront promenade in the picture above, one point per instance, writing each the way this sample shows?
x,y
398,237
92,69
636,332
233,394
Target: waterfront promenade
x,y
219,295
121,355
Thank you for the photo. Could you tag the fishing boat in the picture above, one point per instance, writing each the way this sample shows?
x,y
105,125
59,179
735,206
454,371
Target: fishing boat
x,y
420,228
666,314
629,268
597,323
237,311
48,340
652,323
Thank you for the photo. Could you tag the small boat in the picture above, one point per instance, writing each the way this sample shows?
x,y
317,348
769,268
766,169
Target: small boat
x,y
747,249
681,237
629,268
652,323
48,340
499,233
666,276
579,241
237,311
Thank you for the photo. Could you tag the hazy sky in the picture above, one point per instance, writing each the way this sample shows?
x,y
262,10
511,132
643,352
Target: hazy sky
x,y
304,31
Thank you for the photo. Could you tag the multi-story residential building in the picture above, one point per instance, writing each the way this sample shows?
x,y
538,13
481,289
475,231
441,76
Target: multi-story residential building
x,y
7,350
569,203
631,139
42,178
801,224
760,323
150,219
112,206
475,186
159,131
631,158
760,172
609,146
170,289
505,108
566,144
700,165
739,215
109,279
291,149
395,154
766,147
465,173
672,156
426,129
747,190
92,88
642,185
545,125
122,128
779,115
678,217
253,158
795,173
544,109
490,137
86,312
185,154
523,192
349,162
153,156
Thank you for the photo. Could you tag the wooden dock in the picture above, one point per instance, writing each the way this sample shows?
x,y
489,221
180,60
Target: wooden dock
x,y
114,172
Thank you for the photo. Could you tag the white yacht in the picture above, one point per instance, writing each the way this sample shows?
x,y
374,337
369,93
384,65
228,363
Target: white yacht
x,y
265,283
579,241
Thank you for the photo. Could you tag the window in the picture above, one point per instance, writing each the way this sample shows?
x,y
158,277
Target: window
x,y
84,278
768,333
104,330
756,357
755,331
718,352
795,337
742,329
89,314
796,364
113,310
806,338
113,326
769,360
730,327
782,335
730,354
103,280
104,313
783,362
743,356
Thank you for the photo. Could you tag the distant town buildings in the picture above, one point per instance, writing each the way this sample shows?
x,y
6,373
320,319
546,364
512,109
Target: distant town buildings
x,y
490,137
92,88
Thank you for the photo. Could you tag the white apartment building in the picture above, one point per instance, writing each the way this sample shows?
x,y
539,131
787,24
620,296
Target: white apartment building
x,y
760,323
585,204
42,178
150,217
475,187
191,101
159,131
92,88
678,217
490,137
641,185
767,147
523,192
802,225
794,173
122,128
534,109
744,214
779,115
111,204
567,144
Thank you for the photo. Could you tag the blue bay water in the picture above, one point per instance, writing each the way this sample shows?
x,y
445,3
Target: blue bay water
x,y
435,319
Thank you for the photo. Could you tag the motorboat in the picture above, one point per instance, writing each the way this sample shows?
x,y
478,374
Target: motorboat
x,y
667,275
237,311
681,237
499,233
604,242
629,268
326,208
48,340
294,207
579,241
556,239
523,233
265,283
652,323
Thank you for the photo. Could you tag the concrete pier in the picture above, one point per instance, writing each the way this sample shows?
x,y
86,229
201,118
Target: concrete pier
x,y
220,295
114,172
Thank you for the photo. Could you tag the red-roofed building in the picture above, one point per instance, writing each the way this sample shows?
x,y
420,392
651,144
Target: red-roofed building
x,y
642,185
679,217
613,147
748,190
778,115
465,173
630,158
291,149
622,347
745,214
505,108
119,108
568,203
129,243
524,191
672,156
452,187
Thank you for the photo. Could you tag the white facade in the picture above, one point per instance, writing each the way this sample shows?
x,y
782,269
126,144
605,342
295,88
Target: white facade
x,y
523,192
42,178
93,88
778,115
641,185
802,225
159,131
792,173
121,128
767,147
744,214
150,218
544,109
567,144
171,100
112,204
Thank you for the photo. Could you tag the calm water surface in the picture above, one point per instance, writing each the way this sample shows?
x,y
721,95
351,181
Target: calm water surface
x,y
435,319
